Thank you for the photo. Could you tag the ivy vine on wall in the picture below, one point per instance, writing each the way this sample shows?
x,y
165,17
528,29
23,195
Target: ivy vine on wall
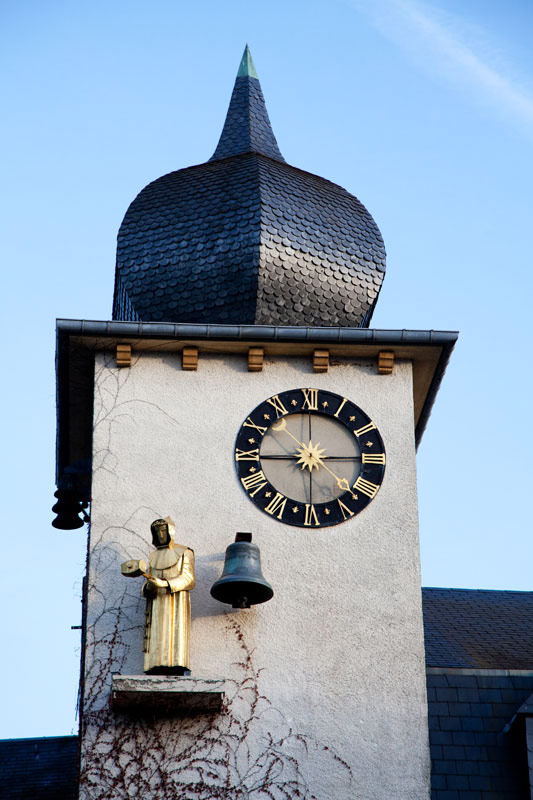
x,y
248,751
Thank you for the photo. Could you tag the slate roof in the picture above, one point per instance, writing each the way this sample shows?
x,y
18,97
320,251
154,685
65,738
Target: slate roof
x,y
247,239
475,753
486,629
479,656
39,769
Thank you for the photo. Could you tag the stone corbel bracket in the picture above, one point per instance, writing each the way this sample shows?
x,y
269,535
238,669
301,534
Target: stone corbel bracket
x,y
166,694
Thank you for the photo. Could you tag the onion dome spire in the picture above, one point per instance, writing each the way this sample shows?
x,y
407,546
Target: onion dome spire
x,y
247,239
247,128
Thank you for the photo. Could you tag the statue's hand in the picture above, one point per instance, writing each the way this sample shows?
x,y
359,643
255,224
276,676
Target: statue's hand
x,y
156,583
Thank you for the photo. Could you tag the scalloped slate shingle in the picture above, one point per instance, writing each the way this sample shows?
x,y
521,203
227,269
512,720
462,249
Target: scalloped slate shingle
x,y
245,238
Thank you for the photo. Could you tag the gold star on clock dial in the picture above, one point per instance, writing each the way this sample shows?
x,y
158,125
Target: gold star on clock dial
x,y
369,444
352,419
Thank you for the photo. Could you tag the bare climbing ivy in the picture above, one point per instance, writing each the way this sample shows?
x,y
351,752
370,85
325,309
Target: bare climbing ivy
x,y
247,751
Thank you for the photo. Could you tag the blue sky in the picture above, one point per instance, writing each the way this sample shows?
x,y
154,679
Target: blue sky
x,y
424,111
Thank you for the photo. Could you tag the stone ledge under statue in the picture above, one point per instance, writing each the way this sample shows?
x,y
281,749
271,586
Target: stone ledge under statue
x,y
164,694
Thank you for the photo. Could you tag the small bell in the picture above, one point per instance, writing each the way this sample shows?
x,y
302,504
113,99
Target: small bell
x,y
242,584
68,508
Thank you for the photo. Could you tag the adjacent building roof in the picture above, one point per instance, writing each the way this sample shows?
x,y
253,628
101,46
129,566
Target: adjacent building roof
x,y
479,655
476,753
247,239
39,769
478,628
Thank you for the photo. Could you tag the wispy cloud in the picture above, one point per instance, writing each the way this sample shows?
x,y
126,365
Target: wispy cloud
x,y
446,43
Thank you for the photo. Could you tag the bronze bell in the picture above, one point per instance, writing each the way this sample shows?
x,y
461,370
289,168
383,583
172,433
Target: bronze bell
x,y
242,584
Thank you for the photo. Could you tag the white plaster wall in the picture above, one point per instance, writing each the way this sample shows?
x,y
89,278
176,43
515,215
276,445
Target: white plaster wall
x,y
340,646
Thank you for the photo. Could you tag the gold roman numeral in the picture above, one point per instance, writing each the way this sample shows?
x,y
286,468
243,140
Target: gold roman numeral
x,y
336,414
277,405
255,482
276,504
247,455
366,487
346,512
251,424
310,515
310,399
373,458
365,429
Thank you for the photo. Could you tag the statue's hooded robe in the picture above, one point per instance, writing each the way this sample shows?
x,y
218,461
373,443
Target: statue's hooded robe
x,y
168,611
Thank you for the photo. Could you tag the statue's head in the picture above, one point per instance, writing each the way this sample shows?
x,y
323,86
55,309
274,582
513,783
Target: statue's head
x,y
160,533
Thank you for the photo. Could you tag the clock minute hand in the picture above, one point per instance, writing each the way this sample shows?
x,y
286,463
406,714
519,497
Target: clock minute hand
x,y
342,483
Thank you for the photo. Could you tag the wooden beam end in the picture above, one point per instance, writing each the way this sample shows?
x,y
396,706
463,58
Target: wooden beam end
x,y
320,360
189,358
255,359
123,355
385,362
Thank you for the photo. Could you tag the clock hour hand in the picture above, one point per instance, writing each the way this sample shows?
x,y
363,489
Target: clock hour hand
x,y
309,454
282,426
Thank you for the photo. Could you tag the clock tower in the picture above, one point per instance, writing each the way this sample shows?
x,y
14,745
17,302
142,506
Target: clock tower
x,y
240,388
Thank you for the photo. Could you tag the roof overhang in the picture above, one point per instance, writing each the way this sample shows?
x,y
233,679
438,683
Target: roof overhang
x,y
429,352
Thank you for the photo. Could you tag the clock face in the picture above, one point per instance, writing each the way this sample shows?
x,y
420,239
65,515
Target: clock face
x,y
310,458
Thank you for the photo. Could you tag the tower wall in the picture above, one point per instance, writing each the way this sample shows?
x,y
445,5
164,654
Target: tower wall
x,y
325,683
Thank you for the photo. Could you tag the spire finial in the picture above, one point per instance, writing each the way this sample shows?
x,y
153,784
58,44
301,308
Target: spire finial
x,y
246,67
247,127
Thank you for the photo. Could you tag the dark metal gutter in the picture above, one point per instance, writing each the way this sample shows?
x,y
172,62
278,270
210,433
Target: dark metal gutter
x,y
282,333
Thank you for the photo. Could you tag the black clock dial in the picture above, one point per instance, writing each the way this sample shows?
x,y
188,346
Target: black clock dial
x,y
310,458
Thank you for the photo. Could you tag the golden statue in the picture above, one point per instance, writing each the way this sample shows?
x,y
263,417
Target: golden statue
x,y
169,579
